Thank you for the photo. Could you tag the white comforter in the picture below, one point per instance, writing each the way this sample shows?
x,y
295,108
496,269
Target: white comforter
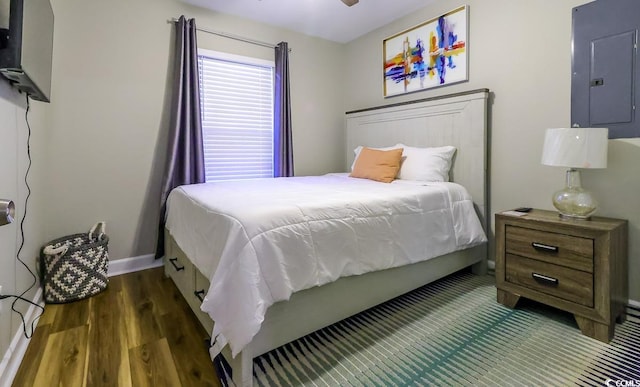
x,y
259,241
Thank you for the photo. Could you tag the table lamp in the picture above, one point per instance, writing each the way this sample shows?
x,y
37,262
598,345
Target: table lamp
x,y
575,148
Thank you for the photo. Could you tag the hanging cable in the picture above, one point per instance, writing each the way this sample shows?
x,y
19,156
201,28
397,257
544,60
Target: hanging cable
x,y
21,297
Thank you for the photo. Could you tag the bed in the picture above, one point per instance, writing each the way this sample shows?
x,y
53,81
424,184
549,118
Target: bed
x,y
210,253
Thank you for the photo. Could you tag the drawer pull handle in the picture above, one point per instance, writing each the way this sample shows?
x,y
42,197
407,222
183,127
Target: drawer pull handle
x,y
543,247
199,294
173,262
543,279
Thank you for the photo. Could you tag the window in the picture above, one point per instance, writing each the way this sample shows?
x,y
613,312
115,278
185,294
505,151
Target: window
x,y
236,99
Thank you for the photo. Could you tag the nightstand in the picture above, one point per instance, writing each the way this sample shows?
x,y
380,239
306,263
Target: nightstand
x,y
579,266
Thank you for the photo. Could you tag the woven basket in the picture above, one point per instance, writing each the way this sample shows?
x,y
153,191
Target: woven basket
x,y
75,266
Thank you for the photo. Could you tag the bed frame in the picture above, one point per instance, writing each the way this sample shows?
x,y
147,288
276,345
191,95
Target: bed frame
x,y
459,120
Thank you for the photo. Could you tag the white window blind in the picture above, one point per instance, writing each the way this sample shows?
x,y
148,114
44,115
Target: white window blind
x,y
236,97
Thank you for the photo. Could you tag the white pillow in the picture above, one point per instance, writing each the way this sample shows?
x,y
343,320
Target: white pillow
x,y
426,164
359,149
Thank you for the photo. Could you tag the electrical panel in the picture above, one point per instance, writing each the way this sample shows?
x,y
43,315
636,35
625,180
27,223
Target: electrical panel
x,y
605,80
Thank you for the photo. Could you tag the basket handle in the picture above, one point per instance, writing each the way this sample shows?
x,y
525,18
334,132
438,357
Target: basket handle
x,y
50,250
99,226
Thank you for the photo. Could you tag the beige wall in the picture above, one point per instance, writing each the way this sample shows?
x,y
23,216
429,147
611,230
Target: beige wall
x,y
111,104
8,190
521,51
14,277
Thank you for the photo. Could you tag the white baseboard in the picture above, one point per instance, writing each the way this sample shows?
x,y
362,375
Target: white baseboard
x,y
129,265
18,347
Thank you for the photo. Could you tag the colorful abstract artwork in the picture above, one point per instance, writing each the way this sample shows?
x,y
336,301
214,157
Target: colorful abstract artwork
x,y
429,55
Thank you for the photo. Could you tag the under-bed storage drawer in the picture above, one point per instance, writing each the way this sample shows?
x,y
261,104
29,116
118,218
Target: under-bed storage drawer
x,y
201,287
178,267
191,283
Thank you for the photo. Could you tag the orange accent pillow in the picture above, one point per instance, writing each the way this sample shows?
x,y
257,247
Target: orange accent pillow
x,y
377,165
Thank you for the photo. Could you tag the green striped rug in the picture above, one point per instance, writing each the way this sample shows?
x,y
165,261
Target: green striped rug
x,y
453,332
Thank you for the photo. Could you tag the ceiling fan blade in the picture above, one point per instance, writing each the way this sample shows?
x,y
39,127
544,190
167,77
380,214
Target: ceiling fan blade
x,y
350,2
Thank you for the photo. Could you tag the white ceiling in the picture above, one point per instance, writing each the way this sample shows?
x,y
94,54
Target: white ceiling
x,y
328,19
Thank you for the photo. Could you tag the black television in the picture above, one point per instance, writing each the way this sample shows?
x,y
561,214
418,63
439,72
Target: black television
x,y
26,46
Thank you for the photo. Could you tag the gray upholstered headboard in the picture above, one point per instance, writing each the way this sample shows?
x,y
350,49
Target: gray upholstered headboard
x,y
459,119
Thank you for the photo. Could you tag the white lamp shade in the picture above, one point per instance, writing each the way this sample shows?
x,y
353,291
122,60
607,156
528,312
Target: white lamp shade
x,y
576,147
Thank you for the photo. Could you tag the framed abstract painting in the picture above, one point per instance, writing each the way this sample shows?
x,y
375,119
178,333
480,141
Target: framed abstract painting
x,y
431,54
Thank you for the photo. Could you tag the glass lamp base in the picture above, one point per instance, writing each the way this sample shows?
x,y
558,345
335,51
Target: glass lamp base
x,y
573,202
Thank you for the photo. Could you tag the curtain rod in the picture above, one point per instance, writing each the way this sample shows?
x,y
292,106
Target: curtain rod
x,y
231,36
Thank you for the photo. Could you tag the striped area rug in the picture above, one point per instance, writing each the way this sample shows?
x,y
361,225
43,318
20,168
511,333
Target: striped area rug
x,y
453,332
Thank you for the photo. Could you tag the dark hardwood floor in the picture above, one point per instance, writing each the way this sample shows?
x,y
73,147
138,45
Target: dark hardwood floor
x,y
139,332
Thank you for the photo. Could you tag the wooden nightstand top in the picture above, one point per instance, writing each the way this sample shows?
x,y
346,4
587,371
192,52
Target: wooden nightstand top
x,y
551,218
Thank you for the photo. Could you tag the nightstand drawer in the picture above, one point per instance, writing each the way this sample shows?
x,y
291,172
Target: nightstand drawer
x,y
568,284
558,249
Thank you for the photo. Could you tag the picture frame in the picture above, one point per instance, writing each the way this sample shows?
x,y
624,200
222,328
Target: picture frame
x,y
431,54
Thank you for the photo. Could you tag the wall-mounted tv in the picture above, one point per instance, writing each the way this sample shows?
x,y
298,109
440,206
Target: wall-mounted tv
x,y
26,46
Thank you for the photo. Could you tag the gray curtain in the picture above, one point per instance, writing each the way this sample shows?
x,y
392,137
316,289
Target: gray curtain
x,y
283,142
185,155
